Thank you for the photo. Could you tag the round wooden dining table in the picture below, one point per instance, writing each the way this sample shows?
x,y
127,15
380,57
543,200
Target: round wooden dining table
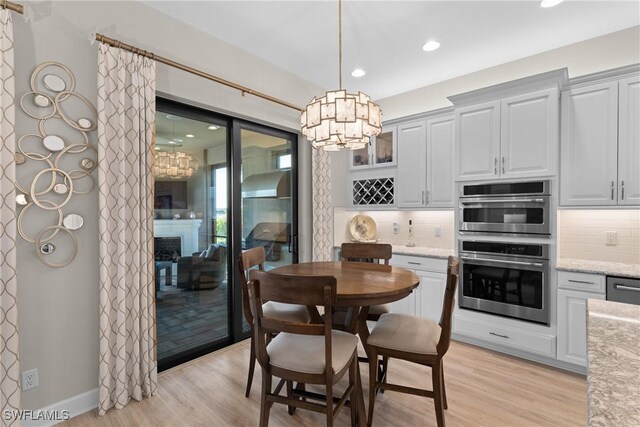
x,y
359,286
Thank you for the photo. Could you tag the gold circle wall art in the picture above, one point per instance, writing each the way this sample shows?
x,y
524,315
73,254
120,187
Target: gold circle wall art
x,y
61,143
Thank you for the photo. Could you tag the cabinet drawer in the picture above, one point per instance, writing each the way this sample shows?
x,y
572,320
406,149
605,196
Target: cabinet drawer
x,y
518,339
419,263
581,282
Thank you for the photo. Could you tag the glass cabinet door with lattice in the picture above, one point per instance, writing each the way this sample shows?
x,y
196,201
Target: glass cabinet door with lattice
x,y
380,152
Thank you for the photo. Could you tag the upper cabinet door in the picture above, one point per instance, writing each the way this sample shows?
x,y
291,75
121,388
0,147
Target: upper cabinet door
x,y
477,130
380,153
440,162
529,135
384,148
588,148
412,159
629,142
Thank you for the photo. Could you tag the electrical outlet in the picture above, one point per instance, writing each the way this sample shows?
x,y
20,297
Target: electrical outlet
x,y
437,231
396,228
612,238
30,379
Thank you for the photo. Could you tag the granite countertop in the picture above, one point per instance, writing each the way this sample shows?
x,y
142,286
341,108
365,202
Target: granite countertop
x,y
613,369
619,269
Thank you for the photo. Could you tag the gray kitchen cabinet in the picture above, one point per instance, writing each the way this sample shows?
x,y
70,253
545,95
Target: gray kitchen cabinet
x,y
600,144
440,162
412,167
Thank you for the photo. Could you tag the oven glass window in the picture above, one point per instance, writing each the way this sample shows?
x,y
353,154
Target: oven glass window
x,y
504,215
502,284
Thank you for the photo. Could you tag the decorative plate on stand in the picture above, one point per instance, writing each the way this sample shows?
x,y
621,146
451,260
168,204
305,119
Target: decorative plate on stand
x,y
363,229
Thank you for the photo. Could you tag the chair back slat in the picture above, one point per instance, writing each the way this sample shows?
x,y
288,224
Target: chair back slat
x,y
249,259
292,290
366,252
453,265
302,290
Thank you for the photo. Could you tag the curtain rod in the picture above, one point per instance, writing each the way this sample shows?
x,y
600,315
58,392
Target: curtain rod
x,y
11,6
188,69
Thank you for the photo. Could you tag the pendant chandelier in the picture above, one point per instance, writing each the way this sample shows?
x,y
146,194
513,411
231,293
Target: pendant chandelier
x,y
340,119
174,165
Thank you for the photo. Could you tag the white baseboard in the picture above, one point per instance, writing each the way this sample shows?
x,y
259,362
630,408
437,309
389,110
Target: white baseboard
x,y
74,405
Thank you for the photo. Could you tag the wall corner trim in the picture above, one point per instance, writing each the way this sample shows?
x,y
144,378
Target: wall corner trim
x,y
76,405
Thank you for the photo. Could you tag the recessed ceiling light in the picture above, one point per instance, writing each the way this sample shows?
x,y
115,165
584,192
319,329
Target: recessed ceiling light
x,y
171,142
177,140
430,46
213,127
172,117
358,72
550,3
190,135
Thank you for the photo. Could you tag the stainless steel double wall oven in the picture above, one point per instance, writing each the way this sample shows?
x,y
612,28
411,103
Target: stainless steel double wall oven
x,y
507,277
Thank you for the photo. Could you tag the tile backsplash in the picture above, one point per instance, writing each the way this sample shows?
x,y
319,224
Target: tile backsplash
x,y
424,226
582,235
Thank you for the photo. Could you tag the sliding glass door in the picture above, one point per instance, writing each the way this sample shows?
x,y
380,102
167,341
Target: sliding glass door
x,y
267,193
222,185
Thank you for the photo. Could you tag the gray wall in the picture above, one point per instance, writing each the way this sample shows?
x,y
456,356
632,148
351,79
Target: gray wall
x,y
59,307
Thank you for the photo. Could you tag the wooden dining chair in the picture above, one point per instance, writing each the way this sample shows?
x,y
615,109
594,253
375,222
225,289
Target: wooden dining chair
x,y
307,353
373,253
418,340
252,259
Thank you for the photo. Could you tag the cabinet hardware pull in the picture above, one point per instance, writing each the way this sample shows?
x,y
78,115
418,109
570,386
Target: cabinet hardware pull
x,y
495,166
503,261
427,196
503,164
414,263
581,281
612,186
498,335
622,185
423,197
626,288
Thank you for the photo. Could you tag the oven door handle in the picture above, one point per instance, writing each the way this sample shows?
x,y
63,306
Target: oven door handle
x,y
501,261
477,201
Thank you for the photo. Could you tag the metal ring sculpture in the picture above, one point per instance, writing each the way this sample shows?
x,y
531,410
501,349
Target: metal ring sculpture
x,y
44,102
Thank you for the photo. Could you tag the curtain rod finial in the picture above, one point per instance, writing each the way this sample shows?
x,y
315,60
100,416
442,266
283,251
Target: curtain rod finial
x,y
92,36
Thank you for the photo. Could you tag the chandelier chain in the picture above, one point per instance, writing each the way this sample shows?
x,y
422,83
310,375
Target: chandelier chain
x,y
340,42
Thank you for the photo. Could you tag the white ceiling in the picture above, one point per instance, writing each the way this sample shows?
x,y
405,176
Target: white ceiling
x,y
385,38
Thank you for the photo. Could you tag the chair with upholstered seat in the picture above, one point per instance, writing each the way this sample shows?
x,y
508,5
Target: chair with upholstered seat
x,y
368,252
307,353
418,340
255,258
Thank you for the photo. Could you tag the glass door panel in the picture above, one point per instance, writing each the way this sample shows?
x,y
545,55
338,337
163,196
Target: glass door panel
x,y
360,157
190,233
268,160
384,148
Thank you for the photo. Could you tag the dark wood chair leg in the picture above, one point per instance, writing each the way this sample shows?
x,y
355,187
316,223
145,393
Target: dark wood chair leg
x,y
383,372
437,392
444,387
291,408
252,366
373,376
329,405
265,405
353,399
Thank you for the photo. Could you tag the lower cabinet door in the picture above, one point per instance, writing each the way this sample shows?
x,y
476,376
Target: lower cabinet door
x,y
572,325
431,295
406,305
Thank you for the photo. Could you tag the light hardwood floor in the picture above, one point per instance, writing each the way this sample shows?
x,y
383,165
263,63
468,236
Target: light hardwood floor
x,y
484,388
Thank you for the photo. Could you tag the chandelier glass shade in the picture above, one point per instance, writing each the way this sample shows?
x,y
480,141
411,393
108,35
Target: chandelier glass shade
x,y
174,165
340,119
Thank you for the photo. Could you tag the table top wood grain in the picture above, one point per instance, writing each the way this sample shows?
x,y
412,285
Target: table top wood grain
x,y
359,283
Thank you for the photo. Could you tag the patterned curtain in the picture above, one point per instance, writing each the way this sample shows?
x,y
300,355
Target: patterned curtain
x,y
9,361
126,133
322,213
